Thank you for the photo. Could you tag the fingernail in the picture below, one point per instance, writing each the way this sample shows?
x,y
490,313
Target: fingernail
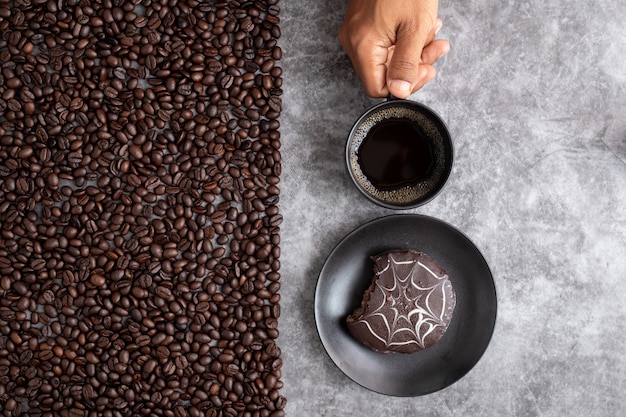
x,y
401,85
438,26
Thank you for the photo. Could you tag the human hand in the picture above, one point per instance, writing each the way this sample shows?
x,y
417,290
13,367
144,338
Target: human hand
x,y
391,44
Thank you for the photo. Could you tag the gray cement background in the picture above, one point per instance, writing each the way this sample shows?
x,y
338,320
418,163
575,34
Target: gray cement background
x,y
534,94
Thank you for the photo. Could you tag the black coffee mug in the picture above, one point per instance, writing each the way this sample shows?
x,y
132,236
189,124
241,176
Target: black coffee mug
x,y
399,154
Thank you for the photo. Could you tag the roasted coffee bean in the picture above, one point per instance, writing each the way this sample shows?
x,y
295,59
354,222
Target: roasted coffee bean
x,y
275,103
138,202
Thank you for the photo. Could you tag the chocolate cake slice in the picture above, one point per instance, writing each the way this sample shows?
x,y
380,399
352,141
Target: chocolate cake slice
x,y
408,306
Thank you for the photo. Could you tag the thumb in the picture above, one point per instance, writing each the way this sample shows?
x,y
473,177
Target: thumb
x,y
405,71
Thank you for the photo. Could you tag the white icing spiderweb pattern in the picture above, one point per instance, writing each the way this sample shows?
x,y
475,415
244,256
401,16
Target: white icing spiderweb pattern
x,y
413,314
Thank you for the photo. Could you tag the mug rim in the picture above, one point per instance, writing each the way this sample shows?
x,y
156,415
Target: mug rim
x,y
448,145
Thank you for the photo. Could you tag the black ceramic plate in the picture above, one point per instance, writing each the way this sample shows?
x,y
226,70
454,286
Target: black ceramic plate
x,y
348,272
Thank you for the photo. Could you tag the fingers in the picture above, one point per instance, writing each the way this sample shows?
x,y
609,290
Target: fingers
x,y
392,49
427,73
368,59
375,86
372,72
433,32
404,68
435,50
408,71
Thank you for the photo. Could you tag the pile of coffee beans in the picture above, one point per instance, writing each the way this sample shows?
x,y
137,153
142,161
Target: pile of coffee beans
x,y
139,227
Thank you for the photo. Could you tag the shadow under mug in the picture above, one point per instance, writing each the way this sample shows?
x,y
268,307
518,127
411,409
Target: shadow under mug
x,y
431,128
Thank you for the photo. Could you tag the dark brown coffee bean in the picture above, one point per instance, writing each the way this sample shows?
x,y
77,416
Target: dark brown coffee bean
x,y
163,352
152,202
120,73
38,264
142,340
185,89
275,103
163,115
152,183
5,262
169,368
227,81
163,292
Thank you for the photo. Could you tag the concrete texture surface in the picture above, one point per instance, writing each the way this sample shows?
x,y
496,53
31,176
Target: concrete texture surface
x,y
534,94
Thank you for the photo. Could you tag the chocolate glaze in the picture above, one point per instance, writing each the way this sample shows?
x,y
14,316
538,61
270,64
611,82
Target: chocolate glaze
x,y
408,306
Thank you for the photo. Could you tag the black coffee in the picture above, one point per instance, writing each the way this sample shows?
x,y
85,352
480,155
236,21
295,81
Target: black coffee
x,y
396,153
399,154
